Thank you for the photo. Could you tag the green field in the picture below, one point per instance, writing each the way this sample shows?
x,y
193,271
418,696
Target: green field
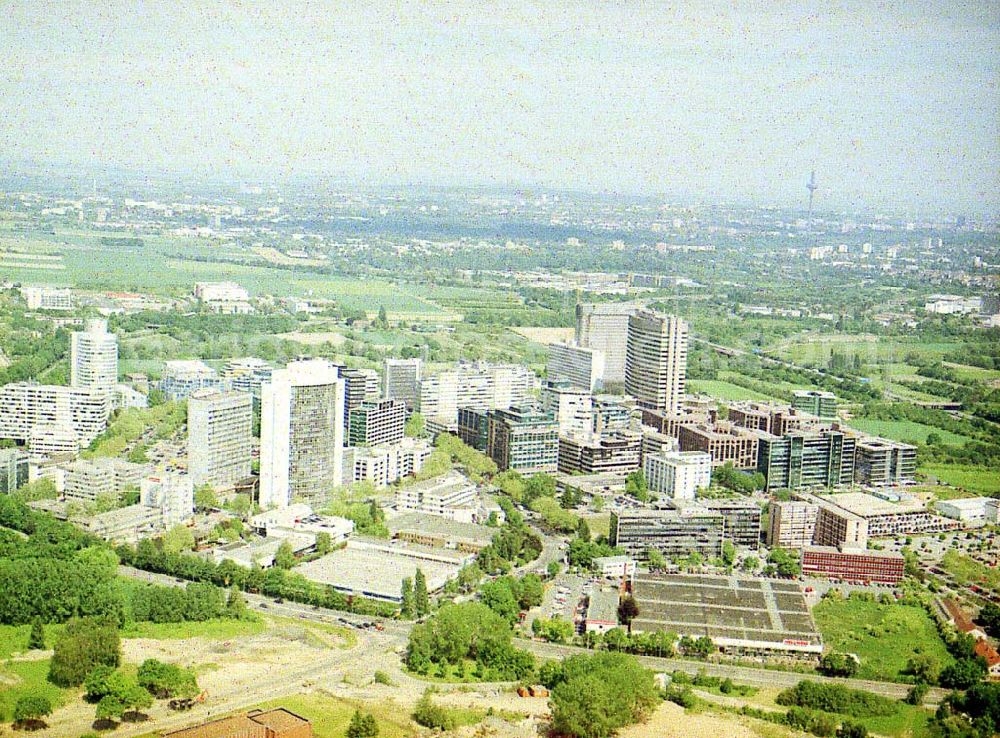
x,y
978,479
27,677
907,430
158,267
883,637
724,390
817,348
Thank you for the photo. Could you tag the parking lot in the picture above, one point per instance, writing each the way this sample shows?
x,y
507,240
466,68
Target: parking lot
x,y
562,598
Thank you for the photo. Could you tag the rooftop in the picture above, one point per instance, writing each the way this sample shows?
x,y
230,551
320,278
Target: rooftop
x,y
603,606
865,505
437,525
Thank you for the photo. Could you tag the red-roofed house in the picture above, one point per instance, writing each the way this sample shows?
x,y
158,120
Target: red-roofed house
x,y
987,652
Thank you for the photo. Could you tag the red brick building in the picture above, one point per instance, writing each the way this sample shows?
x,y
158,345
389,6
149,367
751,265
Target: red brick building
x,y
852,565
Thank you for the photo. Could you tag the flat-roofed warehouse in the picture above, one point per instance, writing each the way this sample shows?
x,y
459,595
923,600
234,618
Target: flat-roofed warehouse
x,y
742,616
374,568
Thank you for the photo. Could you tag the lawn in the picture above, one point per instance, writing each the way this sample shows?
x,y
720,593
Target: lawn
x,y
976,479
907,430
816,349
330,715
883,637
27,677
725,390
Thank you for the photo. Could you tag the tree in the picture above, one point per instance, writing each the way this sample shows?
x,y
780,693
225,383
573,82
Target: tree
x,y
166,680
655,558
838,664
628,610
36,638
583,530
323,543
924,668
728,552
989,616
963,674
236,606
553,568
204,498
362,725
421,600
284,557
383,317
414,427
750,564
593,696
636,486
95,686
31,707
531,591
408,606
498,595
852,730
916,694
85,643
178,539
430,715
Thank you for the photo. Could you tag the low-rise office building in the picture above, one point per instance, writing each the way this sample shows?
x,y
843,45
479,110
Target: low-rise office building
x,y
13,470
742,517
670,423
602,610
678,474
87,481
791,524
596,453
671,532
614,567
181,378
724,442
852,565
972,510
439,532
525,439
385,464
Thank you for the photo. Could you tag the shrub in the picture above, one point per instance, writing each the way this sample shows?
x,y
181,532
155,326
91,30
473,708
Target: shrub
x,y
430,715
836,698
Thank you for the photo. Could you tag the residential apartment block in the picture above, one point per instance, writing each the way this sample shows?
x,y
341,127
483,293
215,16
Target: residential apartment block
x,y
78,410
479,386
94,357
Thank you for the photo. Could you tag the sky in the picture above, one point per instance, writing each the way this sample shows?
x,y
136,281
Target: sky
x,y
892,103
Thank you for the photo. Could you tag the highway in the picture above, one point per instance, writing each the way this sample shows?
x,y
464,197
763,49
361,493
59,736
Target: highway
x,y
740,674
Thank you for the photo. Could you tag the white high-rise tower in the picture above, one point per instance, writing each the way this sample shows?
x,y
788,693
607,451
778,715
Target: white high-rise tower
x,y
94,357
301,433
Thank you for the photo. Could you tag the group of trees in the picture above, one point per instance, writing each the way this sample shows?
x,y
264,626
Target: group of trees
x,y
471,631
508,596
731,478
593,696
837,698
415,600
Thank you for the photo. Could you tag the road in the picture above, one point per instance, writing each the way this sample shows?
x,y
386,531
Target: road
x,y
740,674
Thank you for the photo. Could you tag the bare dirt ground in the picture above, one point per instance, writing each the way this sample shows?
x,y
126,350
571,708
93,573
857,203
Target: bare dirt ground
x,y
672,721
545,336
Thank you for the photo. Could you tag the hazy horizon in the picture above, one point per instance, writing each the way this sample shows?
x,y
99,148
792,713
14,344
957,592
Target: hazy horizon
x,y
697,101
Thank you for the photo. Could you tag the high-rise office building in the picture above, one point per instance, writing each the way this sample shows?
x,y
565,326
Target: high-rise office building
x,y
220,426
604,326
572,406
580,366
884,462
302,433
94,357
656,360
373,423
803,459
815,402
401,381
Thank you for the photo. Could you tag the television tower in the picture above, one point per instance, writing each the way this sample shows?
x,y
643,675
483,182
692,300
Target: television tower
x,y
811,186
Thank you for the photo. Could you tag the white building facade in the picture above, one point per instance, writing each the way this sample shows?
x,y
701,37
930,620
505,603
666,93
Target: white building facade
x,y
678,474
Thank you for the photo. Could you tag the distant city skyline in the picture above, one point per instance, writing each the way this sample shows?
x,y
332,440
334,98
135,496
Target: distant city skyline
x,y
705,101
